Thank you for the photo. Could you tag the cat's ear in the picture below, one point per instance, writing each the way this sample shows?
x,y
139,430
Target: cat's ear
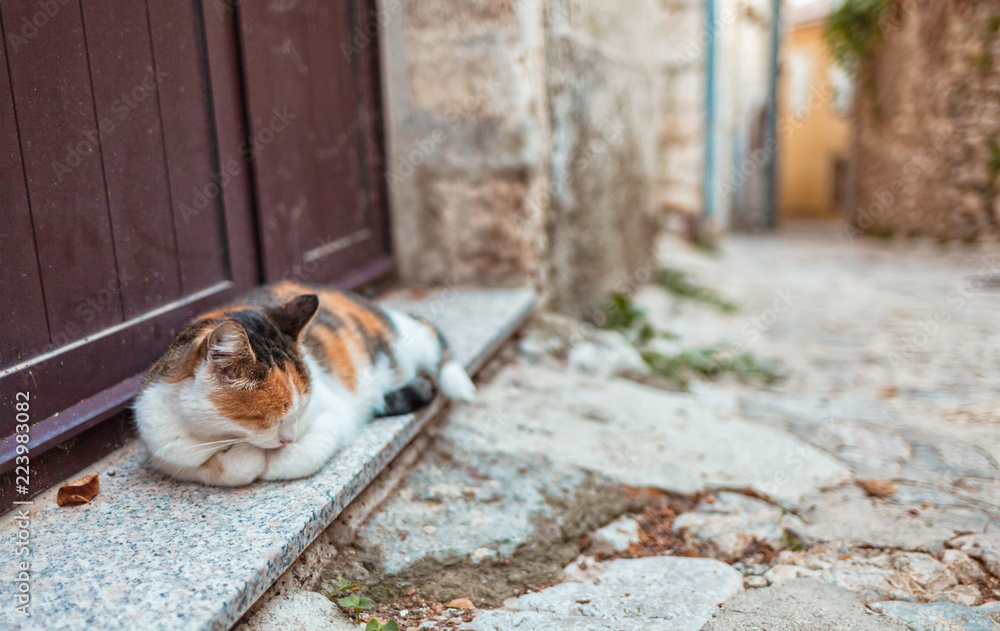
x,y
229,346
293,316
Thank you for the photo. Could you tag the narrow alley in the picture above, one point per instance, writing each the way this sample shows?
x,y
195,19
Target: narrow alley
x,y
815,417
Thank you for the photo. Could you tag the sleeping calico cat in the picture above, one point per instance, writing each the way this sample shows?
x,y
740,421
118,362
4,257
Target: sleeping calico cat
x,y
272,388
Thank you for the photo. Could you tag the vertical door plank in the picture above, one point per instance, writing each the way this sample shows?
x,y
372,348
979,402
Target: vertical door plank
x,y
50,81
135,172
194,171
320,212
333,103
25,329
222,62
278,76
367,70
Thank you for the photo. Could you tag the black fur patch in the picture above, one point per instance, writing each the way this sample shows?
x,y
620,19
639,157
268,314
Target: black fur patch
x,y
270,346
410,398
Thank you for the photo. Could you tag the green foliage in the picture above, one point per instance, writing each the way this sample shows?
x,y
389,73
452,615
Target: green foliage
x,y
853,29
711,363
677,282
354,602
343,596
621,315
375,625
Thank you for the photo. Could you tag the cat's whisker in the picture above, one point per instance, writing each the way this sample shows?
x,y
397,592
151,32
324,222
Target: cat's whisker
x,y
212,444
208,450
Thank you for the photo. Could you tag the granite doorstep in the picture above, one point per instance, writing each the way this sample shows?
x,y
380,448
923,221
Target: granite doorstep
x,y
153,553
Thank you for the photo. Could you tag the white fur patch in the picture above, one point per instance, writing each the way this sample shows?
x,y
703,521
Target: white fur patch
x,y
455,382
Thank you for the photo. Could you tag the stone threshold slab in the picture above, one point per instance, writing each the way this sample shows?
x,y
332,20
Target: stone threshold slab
x,y
152,553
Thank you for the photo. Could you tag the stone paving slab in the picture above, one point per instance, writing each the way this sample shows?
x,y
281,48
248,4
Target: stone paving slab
x,y
639,435
941,616
449,510
499,620
799,605
152,553
682,590
675,593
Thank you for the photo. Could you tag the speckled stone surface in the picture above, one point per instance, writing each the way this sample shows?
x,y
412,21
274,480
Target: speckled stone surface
x,y
152,553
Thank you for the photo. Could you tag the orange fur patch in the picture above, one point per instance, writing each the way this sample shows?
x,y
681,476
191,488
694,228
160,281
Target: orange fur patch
x,y
339,354
347,308
259,407
300,384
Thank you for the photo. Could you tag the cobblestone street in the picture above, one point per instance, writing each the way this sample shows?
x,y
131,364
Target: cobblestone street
x,y
859,492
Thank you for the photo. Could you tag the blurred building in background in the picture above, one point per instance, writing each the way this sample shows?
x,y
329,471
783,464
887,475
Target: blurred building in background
x,y
741,109
928,122
546,141
814,129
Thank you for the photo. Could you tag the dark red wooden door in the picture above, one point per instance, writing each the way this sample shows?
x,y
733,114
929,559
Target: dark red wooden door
x,y
116,119
313,104
157,158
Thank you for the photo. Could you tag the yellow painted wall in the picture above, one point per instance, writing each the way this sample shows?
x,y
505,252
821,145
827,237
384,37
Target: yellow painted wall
x,y
809,142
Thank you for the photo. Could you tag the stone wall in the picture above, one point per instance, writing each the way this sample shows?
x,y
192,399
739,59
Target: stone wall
x,y
466,120
530,140
926,153
602,85
680,49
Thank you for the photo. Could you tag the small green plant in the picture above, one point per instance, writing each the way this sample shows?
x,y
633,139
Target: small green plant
x,y
679,284
711,363
375,625
348,601
794,543
620,314
852,29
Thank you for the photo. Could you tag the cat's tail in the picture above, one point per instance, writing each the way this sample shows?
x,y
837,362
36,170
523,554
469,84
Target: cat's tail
x,y
455,382
452,378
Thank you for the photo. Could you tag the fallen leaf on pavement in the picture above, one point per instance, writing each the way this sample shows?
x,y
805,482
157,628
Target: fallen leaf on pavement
x,y
878,488
461,603
79,491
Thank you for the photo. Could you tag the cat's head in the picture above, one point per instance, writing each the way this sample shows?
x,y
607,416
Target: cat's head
x,y
247,378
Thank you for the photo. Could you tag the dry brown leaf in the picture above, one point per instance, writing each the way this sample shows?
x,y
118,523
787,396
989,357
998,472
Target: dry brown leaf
x,y
461,603
79,491
878,488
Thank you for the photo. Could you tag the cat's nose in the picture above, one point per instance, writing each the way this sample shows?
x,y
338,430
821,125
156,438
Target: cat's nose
x,y
287,441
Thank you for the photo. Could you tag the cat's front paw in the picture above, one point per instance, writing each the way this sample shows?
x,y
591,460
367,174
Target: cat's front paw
x,y
288,463
238,465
